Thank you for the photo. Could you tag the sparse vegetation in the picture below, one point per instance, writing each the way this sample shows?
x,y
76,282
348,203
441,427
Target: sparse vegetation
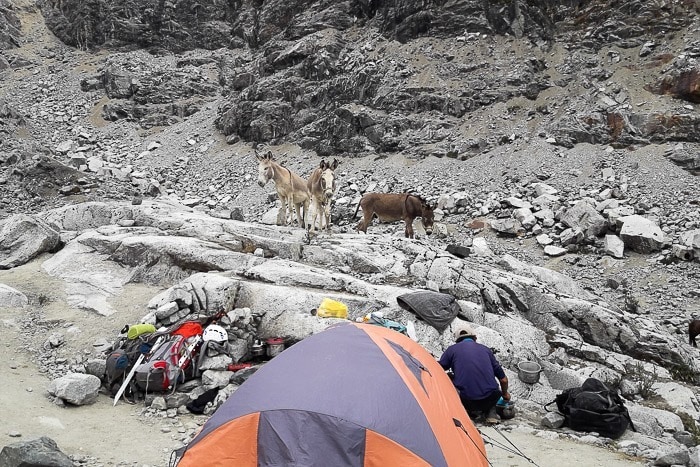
x,y
645,379
691,426
42,299
685,373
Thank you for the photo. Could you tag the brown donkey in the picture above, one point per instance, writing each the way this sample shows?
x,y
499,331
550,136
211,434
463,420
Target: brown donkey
x,y
388,207
321,184
694,331
291,188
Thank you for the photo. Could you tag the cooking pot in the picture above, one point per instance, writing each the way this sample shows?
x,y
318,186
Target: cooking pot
x,y
529,372
257,349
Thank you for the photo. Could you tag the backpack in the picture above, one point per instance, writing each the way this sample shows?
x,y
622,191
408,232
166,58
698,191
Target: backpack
x,y
171,361
122,358
595,408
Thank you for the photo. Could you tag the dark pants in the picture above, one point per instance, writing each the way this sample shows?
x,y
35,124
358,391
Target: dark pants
x,y
481,406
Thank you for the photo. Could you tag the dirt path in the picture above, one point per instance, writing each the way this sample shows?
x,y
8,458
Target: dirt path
x,y
546,452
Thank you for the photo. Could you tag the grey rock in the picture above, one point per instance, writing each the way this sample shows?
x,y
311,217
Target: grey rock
x,y
96,367
691,239
659,421
159,403
544,239
216,378
10,297
525,217
682,252
584,217
641,234
614,246
552,420
217,362
76,388
681,398
176,399
23,237
38,452
551,250
675,457
510,227
544,189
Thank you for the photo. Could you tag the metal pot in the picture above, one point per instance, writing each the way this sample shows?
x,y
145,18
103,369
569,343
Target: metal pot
x,y
275,346
257,349
529,372
506,410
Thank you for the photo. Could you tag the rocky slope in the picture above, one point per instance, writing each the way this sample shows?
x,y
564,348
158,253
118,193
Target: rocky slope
x,y
481,107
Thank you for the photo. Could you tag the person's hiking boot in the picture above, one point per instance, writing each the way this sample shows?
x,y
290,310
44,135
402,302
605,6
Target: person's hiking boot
x,y
492,417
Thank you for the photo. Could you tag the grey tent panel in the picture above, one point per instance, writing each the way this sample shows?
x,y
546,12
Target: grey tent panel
x,y
292,438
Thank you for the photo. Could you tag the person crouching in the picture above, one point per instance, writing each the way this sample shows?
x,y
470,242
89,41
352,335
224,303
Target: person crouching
x,y
475,371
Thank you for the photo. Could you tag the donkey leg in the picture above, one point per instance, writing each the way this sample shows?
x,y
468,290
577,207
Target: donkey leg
x,y
300,215
305,215
322,215
315,215
291,208
282,214
327,213
364,223
409,228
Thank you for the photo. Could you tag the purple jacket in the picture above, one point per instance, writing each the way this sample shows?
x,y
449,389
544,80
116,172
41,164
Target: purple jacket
x,y
475,369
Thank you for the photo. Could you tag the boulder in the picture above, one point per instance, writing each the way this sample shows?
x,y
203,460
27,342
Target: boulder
x,y
551,250
10,297
509,227
23,237
584,217
37,452
76,388
641,234
691,240
614,246
681,398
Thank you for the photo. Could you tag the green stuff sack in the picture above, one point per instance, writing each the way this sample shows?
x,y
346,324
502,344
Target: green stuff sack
x,y
136,330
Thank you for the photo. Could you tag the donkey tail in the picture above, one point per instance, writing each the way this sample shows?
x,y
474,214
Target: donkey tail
x,y
357,208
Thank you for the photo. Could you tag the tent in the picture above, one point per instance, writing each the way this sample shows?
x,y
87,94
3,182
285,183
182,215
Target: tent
x,y
352,395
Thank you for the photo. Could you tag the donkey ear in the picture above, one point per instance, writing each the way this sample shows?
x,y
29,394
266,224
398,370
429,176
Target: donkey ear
x,y
335,164
322,165
258,156
269,156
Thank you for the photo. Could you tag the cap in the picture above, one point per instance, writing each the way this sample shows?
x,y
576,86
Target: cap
x,y
464,330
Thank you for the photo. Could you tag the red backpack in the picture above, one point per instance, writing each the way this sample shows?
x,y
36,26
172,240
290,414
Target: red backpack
x,y
170,361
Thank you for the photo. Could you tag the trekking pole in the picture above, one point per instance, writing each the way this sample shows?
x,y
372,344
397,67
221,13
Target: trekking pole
x,y
188,351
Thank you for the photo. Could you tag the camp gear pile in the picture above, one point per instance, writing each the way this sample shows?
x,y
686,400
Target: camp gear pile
x,y
170,363
594,408
147,360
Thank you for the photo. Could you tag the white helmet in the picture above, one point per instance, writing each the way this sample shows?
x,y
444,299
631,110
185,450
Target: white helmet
x,y
215,333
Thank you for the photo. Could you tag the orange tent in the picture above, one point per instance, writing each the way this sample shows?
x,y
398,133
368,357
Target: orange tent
x,y
352,395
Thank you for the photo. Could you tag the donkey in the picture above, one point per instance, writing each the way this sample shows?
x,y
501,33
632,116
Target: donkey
x,y
388,207
291,188
322,187
694,331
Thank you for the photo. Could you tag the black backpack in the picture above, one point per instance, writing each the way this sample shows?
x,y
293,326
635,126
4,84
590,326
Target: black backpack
x,y
595,408
122,358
